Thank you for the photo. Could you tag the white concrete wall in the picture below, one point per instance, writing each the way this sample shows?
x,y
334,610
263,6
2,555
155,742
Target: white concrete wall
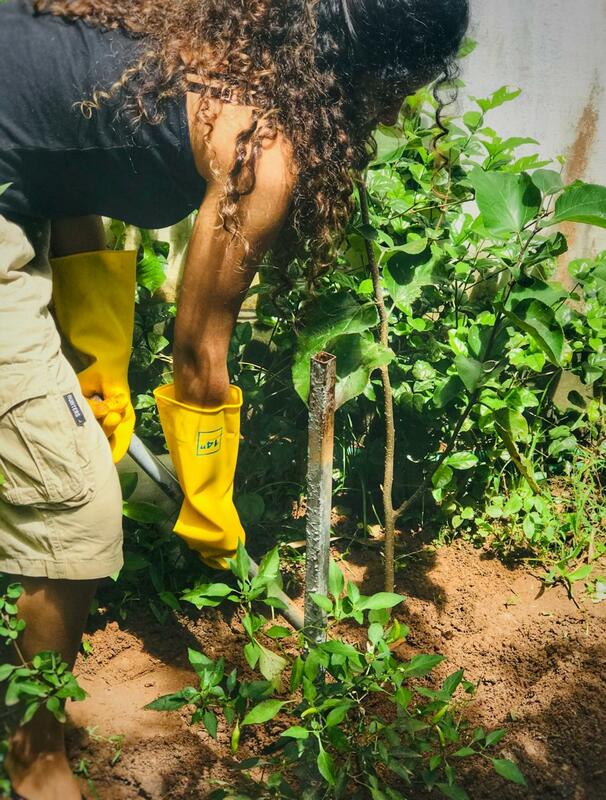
x,y
555,51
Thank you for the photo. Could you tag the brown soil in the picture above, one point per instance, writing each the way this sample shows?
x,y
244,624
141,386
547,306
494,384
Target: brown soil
x,y
537,657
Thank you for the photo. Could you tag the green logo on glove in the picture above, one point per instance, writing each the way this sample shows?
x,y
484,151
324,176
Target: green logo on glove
x,y
209,442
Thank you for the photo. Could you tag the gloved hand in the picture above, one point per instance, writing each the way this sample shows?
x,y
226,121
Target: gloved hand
x,y
94,305
203,444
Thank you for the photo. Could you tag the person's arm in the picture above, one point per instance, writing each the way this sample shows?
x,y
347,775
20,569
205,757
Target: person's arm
x,y
216,279
70,235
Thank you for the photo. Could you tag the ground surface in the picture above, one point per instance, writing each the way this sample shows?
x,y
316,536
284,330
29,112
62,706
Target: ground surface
x,y
538,658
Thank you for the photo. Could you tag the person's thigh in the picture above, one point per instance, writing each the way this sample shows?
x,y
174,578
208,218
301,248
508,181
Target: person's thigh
x,y
60,499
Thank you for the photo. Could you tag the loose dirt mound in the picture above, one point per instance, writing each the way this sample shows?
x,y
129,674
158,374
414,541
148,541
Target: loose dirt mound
x,y
537,657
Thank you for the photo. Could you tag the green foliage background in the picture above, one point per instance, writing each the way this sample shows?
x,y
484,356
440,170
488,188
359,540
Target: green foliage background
x,y
497,369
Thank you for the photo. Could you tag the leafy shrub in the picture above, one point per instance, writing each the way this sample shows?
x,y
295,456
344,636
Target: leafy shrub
x,y
355,722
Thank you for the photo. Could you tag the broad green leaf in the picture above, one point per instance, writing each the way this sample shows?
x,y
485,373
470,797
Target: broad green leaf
x,y
462,460
263,712
198,660
580,574
278,632
271,665
469,371
128,483
251,507
380,600
358,355
442,476
538,321
548,181
4,187
390,145
323,602
549,294
581,202
422,664
507,769
453,791
296,732
405,276
507,202
449,390
326,767
331,316
146,513
337,714
151,269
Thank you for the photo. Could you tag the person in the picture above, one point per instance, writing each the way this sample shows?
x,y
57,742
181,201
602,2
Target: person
x,y
256,115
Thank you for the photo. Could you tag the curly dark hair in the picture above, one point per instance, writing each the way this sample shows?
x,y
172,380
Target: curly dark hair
x,y
312,69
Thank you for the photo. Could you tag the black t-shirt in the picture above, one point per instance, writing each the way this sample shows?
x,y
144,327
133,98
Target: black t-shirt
x,y
59,162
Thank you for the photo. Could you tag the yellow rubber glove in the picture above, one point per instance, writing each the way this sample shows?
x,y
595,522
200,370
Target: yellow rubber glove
x,y
94,305
203,444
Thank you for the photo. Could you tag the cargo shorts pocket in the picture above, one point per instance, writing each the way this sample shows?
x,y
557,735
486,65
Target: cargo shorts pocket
x,y
42,461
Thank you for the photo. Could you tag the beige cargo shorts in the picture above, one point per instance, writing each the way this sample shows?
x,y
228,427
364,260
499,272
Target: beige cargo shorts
x,y
60,500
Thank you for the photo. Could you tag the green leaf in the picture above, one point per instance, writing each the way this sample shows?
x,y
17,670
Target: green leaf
x,y
406,275
358,355
209,718
548,181
326,766
251,507
442,476
145,513
449,390
151,270
580,574
380,600
198,660
581,202
278,632
511,426
469,371
422,664
337,714
128,483
323,602
4,187
296,732
269,568
171,702
336,581
330,316
549,294
271,665
494,737
538,321
240,565
507,769
390,145
507,202
462,460
252,653
453,791
503,95
464,752
263,712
